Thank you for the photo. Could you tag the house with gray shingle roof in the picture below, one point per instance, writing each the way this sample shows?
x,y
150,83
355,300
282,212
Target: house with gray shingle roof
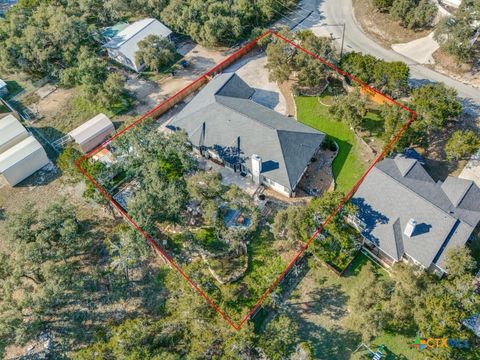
x,y
224,123
124,44
404,214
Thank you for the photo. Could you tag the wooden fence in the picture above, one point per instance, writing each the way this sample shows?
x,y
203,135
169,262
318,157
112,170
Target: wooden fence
x,y
201,81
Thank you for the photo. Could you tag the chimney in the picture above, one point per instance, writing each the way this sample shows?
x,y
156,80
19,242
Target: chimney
x,y
410,228
256,168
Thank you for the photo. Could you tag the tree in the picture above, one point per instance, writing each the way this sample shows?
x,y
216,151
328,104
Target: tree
x,y
462,144
359,65
279,337
89,70
383,5
455,33
310,71
442,306
414,14
41,39
388,77
155,52
435,104
459,262
38,277
66,163
112,91
291,225
127,250
205,185
391,77
350,109
280,58
395,118
366,304
408,282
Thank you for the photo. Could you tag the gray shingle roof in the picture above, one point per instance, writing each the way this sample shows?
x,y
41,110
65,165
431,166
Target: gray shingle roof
x,y
399,189
224,105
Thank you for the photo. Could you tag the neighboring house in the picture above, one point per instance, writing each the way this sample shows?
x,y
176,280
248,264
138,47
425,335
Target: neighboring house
x,y
3,88
223,123
123,46
21,154
405,214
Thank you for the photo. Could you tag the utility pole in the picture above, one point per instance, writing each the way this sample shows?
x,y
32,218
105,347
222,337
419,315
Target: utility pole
x,y
343,39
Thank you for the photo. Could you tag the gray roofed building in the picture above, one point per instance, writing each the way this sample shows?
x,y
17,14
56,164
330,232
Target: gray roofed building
x,y
123,46
399,190
224,123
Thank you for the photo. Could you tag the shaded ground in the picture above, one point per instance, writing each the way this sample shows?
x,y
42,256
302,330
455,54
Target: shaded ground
x,y
468,73
319,305
318,178
381,27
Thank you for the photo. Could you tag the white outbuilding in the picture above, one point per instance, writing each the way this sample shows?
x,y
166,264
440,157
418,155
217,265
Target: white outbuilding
x,y
22,160
93,132
11,132
123,46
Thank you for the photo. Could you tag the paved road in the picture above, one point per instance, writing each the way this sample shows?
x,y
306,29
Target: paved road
x,y
328,15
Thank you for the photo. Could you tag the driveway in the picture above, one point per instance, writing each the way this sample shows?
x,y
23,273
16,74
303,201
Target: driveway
x,y
327,17
251,69
419,50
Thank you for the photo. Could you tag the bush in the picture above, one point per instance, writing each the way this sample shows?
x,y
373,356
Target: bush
x,y
329,144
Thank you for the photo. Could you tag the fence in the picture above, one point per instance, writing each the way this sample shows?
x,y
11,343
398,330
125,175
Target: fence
x,y
167,105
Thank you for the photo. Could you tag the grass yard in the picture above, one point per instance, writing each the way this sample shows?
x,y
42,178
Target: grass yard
x,y
65,109
349,165
319,304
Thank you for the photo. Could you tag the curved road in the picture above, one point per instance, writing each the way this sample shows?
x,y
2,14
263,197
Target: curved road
x,y
327,18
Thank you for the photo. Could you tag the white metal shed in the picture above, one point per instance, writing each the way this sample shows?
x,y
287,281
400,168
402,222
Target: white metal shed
x,y
22,160
93,132
11,132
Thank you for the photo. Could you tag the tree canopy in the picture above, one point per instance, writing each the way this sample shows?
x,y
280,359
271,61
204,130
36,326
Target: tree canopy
x,y
155,52
388,77
412,14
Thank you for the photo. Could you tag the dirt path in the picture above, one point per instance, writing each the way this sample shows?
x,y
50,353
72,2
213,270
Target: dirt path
x,y
286,91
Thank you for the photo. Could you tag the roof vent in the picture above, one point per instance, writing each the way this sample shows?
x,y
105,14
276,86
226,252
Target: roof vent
x,y
410,228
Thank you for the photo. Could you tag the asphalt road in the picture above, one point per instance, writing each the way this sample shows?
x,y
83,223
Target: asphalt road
x,y
326,17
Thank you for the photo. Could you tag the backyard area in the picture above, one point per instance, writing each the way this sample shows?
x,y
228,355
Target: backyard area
x,y
353,156
319,305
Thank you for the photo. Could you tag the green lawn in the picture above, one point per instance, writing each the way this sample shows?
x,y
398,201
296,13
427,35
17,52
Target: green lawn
x,y
348,166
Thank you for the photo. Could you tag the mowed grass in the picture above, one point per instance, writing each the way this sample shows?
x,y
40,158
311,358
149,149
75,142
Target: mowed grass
x,y
348,166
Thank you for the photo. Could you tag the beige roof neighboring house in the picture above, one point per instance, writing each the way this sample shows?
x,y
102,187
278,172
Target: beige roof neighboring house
x,y
93,132
11,132
22,160
471,171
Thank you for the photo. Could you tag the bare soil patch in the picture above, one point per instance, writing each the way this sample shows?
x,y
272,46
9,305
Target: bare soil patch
x,y
286,90
381,27
465,72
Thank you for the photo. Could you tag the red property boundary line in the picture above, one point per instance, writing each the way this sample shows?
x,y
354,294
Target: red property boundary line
x,y
307,244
